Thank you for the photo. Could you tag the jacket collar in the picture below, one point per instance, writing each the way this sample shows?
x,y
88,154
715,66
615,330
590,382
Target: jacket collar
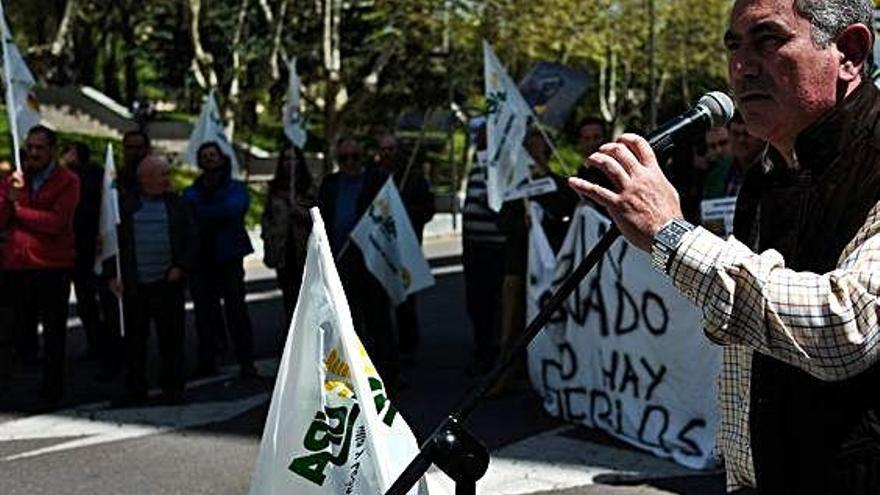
x,y
36,179
828,138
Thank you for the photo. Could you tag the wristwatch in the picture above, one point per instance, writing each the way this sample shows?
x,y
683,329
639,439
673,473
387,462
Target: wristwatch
x,y
666,242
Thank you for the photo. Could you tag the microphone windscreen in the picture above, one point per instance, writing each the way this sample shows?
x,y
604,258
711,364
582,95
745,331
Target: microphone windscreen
x,y
720,107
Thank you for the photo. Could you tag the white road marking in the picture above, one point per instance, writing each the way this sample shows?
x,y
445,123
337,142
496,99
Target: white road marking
x,y
93,426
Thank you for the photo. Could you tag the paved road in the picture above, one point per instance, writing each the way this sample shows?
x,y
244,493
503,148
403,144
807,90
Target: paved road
x,y
209,444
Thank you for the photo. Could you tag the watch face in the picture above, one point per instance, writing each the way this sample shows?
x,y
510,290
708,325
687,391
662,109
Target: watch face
x,y
666,241
669,235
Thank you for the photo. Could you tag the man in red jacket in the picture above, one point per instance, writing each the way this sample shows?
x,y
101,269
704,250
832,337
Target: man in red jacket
x,y
36,209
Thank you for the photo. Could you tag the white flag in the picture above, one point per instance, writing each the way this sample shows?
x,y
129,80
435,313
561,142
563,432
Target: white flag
x,y
109,216
331,428
210,128
294,121
508,119
390,247
21,102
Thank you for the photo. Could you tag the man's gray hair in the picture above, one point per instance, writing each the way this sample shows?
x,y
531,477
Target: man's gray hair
x,y
831,17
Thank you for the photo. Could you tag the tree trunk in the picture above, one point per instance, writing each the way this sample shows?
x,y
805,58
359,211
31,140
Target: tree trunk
x,y
202,62
129,61
267,10
332,77
232,102
247,112
62,35
354,105
277,49
85,56
661,87
608,86
110,68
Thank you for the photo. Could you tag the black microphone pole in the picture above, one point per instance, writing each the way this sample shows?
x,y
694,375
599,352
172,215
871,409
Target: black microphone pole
x,y
450,446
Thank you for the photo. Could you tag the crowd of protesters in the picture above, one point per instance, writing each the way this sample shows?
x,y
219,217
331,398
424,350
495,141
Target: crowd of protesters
x,y
167,242
196,241
171,244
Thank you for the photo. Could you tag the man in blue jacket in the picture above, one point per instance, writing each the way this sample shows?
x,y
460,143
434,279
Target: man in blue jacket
x,y
219,204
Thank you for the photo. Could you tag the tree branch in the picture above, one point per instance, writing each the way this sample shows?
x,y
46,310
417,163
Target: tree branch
x,y
276,40
62,35
202,63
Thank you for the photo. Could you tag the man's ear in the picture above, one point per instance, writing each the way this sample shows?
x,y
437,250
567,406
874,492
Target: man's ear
x,y
854,45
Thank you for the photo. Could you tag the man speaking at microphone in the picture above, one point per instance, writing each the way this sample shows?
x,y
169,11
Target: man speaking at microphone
x,y
800,322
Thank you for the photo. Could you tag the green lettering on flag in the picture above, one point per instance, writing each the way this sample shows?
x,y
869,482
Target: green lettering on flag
x,y
334,425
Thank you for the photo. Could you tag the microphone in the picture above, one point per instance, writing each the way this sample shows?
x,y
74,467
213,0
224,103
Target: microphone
x,y
714,109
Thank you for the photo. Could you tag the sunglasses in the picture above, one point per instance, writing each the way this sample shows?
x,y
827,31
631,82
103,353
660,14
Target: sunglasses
x,y
347,157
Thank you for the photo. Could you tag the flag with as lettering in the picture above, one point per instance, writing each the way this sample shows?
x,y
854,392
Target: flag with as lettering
x,y
331,428
390,247
508,117
210,128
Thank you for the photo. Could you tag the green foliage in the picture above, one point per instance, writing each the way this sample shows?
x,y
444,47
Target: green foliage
x,y
396,56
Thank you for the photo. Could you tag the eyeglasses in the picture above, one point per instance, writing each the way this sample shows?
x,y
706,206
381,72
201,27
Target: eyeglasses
x,y
346,157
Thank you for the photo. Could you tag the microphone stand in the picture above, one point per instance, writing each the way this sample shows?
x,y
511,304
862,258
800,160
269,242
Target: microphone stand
x,y
451,447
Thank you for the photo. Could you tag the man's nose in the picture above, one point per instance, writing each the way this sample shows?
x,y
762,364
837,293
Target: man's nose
x,y
744,64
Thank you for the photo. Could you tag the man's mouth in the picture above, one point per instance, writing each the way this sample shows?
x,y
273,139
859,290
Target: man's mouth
x,y
753,96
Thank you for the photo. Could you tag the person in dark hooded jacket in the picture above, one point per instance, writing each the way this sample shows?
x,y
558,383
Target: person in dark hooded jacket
x,y
219,204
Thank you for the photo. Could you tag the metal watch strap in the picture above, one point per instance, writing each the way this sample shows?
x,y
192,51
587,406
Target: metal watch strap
x,y
666,242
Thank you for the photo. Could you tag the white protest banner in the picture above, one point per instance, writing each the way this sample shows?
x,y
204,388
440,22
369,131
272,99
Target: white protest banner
x,y
717,215
294,121
542,261
626,353
331,428
390,247
210,128
508,119
22,105
530,188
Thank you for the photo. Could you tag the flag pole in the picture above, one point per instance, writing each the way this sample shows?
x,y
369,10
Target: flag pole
x,y
344,248
416,148
119,296
549,141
